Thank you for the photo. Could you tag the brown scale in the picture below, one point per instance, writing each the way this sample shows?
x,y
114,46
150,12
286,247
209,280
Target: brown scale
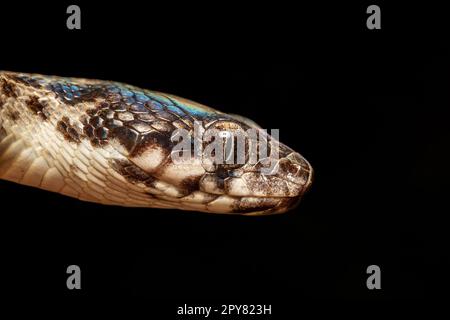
x,y
37,107
94,131
191,184
135,128
140,126
69,132
126,136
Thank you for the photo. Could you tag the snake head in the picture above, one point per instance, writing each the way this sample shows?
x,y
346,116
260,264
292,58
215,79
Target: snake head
x,y
255,174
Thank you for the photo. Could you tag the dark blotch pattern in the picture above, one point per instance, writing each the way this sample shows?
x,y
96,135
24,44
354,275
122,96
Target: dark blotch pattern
x,y
191,184
12,115
132,173
8,88
37,107
134,125
153,139
70,133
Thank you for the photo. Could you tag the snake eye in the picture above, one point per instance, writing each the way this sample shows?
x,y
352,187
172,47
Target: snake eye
x,y
225,146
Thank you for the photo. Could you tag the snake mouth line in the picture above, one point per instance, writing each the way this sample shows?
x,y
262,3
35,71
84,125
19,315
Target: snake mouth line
x,y
284,204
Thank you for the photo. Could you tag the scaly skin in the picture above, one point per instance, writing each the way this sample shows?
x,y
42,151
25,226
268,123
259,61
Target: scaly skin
x,y
110,143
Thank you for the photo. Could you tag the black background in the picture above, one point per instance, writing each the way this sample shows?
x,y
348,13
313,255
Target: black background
x,y
367,108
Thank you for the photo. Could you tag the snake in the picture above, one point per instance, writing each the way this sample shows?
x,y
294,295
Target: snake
x,y
112,143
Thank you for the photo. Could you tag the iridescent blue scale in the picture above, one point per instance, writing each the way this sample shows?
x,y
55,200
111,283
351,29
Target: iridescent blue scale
x,y
137,107
129,100
126,93
156,105
113,89
196,112
137,100
176,110
68,96
159,98
141,97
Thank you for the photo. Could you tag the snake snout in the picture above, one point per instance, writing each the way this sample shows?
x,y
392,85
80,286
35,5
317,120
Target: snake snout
x,y
294,168
257,191
281,190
